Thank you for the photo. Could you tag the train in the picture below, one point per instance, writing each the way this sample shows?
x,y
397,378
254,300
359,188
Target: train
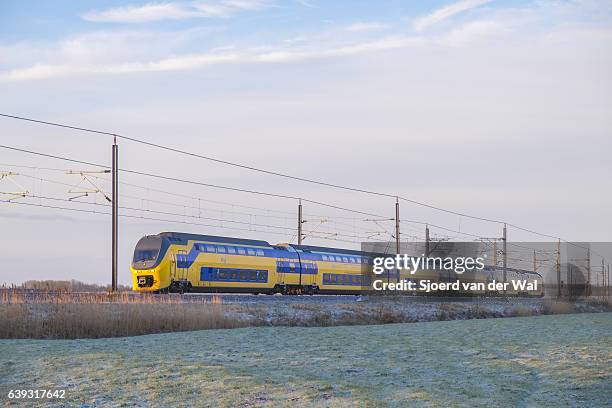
x,y
185,262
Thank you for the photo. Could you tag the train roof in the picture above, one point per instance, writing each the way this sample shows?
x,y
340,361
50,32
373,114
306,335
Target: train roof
x,y
183,237
310,248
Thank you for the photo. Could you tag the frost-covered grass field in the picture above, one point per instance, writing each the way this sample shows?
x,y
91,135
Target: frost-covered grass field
x,y
546,361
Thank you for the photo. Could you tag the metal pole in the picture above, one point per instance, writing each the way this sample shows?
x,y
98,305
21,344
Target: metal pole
x,y
535,267
300,222
559,268
115,214
397,232
603,270
505,261
608,280
426,240
495,255
588,287
397,227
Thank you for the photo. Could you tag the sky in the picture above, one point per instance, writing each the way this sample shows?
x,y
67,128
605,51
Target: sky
x,y
501,109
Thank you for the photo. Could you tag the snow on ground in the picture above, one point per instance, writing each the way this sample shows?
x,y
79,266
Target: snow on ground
x,y
539,361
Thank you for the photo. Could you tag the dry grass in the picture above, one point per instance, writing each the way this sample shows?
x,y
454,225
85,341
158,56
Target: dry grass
x,y
557,307
70,286
90,320
53,314
310,307
31,296
521,311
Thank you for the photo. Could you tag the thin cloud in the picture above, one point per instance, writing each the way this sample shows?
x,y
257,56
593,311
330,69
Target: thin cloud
x,y
305,3
473,31
173,11
366,26
203,60
446,12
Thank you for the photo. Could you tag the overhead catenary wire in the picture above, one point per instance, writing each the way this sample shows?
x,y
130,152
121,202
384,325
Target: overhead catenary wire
x,y
381,217
264,171
184,205
284,196
246,167
194,182
278,227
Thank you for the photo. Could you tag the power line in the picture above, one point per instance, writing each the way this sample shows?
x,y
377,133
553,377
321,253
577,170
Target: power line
x,y
232,189
254,191
175,179
183,205
266,210
139,217
246,167
269,172
278,227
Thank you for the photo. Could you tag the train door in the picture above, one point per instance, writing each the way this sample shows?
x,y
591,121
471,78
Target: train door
x,y
172,267
183,270
288,270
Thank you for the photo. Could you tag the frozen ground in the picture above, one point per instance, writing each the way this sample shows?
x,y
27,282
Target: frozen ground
x,y
539,361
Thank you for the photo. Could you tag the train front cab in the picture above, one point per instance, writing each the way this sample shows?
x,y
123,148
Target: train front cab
x,y
150,264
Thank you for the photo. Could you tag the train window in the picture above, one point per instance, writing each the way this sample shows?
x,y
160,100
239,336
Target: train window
x,y
221,249
233,275
325,257
291,266
241,251
243,275
260,252
261,276
344,259
211,248
253,275
231,250
352,260
222,275
250,251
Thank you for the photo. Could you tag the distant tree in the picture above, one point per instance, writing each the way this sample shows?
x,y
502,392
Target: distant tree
x,y
70,286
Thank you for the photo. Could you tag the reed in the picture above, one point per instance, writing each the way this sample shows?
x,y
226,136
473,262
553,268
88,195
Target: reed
x,y
37,296
94,320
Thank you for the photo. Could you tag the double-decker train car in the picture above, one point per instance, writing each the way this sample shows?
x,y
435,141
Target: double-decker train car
x,y
181,262
173,261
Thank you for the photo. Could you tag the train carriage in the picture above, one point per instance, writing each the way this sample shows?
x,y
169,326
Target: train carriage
x,y
181,262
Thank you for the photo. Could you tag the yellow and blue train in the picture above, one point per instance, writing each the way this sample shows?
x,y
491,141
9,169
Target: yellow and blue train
x,y
182,262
